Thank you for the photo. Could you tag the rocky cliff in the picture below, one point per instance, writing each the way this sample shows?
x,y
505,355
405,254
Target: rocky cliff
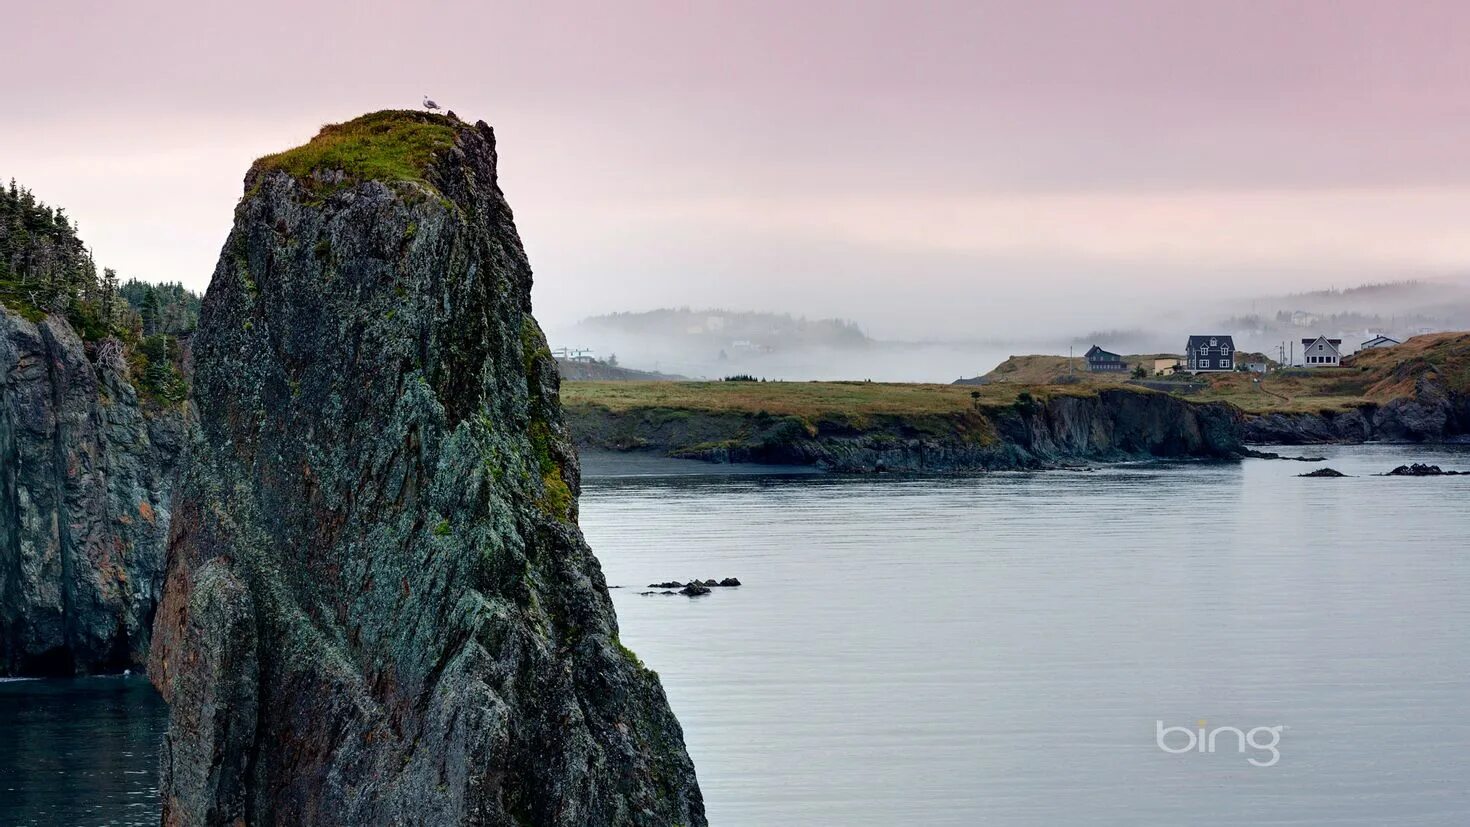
x,y
85,471
379,607
1431,412
1033,432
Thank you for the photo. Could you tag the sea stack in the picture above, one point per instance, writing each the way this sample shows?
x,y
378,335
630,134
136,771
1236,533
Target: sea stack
x,y
379,608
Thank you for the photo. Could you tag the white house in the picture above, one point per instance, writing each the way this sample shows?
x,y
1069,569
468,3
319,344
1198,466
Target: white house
x,y
1321,352
1379,341
575,354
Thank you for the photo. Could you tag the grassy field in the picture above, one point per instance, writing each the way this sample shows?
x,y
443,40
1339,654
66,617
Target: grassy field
x,y
1371,376
804,399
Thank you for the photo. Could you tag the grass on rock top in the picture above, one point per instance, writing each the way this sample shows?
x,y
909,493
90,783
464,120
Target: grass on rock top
x,y
391,145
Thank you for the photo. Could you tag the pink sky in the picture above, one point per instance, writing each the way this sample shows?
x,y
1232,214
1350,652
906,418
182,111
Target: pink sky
x,y
885,161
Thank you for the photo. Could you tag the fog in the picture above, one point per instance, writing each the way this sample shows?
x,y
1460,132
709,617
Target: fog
x,y
709,343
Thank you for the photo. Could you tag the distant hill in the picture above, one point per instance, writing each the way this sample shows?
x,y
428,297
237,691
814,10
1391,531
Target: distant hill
x,y
1400,309
731,330
603,372
1047,369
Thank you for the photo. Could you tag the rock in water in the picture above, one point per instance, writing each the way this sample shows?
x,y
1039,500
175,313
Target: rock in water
x,y
379,608
1323,472
85,471
1419,469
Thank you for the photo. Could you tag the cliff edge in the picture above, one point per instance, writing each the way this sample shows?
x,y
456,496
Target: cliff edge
x,y
85,475
379,608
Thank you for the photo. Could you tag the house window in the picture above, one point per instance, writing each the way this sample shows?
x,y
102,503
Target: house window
x,y
1321,347
1213,342
1224,363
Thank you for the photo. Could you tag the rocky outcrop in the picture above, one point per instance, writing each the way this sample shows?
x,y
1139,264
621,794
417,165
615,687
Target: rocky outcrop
x,y
379,607
85,472
1431,413
1061,429
1419,469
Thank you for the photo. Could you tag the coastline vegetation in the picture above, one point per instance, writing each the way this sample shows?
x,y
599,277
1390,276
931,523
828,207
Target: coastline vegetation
x,y
808,400
45,269
1367,377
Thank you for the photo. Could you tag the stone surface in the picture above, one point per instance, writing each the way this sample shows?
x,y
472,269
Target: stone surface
x,y
379,607
85,472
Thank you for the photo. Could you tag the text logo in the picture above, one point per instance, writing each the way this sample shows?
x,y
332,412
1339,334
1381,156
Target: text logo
x,y
1177,740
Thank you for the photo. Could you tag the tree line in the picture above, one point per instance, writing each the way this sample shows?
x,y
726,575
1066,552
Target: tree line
x,y
46,269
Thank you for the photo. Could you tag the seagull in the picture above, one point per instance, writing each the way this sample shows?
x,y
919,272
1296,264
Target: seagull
x,y
430,105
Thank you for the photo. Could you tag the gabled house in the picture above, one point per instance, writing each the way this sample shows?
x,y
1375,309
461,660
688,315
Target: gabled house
x,y
1379,341
1209,354
1321,352
1102,361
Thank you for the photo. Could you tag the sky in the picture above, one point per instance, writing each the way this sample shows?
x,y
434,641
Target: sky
x,y
928,169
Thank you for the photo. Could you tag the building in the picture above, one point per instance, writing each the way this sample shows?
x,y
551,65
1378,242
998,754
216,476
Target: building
x,y
1321,352
575,354
1166,366
1379,341
1209,354
1256,367
1102,361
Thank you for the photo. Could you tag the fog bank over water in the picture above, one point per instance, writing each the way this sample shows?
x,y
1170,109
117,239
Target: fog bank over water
x,y
893,344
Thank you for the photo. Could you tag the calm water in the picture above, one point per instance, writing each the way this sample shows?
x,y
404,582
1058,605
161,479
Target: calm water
x,y
79,752
1000,649
993,649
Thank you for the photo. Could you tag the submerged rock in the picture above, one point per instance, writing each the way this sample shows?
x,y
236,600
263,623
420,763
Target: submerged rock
x,y
85,475
379,606
694,590
1323,472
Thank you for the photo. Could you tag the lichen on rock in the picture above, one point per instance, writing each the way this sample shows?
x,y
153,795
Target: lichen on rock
x,y
376,522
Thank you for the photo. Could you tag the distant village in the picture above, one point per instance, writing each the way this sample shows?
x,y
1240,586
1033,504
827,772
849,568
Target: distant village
x,y
1217,354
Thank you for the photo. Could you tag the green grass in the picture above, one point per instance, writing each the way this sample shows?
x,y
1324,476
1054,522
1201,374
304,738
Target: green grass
x,y
384,146
808,400
17,298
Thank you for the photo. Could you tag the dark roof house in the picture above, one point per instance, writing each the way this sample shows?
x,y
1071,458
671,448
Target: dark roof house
x,y
1102,360
1209,354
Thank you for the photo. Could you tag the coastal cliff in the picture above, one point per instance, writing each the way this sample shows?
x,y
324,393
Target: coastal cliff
x,y
379,607
1417,391
85,473
928,429
1431,413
